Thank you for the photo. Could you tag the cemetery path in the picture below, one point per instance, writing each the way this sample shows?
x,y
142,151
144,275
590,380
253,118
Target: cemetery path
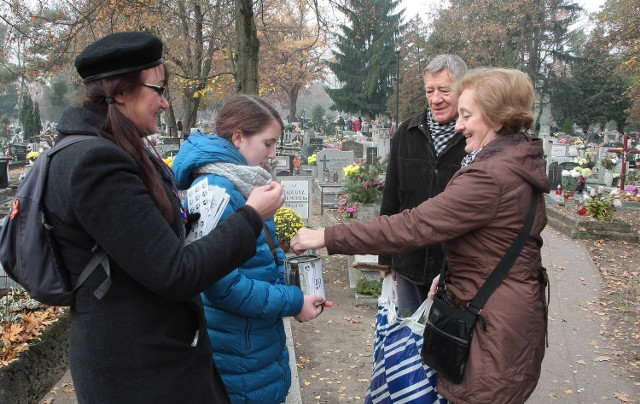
x,y
582,364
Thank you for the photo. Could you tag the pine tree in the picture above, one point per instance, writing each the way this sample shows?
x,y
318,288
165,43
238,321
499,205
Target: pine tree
x,y
37,122
365,60
26,117
415,55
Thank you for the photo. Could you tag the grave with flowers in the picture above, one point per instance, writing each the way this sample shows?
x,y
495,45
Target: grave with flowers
x,y
590,216
362,188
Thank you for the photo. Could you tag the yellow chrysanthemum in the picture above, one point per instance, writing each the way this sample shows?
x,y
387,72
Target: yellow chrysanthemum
x,y
288,222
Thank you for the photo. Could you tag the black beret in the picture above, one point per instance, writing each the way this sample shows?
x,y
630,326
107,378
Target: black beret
x,y
119,53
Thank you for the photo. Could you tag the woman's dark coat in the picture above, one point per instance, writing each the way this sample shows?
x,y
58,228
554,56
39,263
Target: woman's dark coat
x,y
145,341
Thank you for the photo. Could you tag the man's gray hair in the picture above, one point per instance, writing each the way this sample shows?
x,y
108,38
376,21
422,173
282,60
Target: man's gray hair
x,y
453,63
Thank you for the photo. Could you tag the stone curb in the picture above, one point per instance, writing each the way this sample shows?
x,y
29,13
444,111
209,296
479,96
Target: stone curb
x,y
587,228
39,368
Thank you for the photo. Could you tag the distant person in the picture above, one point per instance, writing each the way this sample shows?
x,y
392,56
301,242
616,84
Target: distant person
x,y
145,340
341,123
426,146
244,310
365,127
477,218
357,124
349,124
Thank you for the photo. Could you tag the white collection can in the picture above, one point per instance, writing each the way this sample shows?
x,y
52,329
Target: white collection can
x,y
305,271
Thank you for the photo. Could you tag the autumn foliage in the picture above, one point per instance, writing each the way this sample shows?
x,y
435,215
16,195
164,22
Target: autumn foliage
x,y
22,322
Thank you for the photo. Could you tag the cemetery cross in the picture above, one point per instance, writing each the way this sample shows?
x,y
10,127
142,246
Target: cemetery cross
x,y
624,150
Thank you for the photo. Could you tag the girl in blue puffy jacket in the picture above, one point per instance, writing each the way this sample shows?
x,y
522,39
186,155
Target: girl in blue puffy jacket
x,y
244,310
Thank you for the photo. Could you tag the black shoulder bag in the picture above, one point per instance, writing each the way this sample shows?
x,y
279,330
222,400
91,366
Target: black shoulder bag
x,y
448,333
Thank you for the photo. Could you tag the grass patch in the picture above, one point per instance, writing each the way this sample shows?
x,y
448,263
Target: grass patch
x,y
369,287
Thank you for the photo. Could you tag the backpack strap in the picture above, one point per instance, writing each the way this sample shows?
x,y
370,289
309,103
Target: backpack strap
x,y
99,258
99,255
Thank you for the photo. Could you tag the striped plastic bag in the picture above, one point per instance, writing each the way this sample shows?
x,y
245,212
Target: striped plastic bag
x,y
399,374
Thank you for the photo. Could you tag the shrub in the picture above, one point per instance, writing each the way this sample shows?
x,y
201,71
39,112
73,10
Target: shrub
x,y
288,222
363,182
369,287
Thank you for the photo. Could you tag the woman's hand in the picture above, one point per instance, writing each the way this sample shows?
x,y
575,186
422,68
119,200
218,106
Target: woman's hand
x,y
312,307
307,239
434,288
266,199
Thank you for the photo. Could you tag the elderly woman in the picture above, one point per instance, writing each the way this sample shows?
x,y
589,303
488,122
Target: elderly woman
x,y
476,219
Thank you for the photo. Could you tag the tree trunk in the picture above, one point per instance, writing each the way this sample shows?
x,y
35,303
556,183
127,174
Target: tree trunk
x,y
192,106
248,46
293,100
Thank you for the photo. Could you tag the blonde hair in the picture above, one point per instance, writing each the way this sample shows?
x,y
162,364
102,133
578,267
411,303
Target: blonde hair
x,y
505,96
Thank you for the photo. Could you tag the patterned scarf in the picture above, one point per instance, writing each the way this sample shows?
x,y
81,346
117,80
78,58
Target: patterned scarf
x,y
244,178
442,134
468,159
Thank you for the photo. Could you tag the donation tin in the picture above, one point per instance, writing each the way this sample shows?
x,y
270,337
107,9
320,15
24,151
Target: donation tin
x,y
305,271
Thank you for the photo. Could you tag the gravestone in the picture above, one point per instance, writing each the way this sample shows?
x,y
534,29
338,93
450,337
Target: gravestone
x,y
559,150
18,152
334,161
602,152
555,172
559,154
297,192
381,138
4,172
545,129
283,164
310,150
357,147
572,151
371,155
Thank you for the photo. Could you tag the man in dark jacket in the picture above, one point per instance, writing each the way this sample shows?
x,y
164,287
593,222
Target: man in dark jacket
x,y
425,153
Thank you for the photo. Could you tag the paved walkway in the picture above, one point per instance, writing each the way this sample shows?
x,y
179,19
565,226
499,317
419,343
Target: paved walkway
x,y
577,366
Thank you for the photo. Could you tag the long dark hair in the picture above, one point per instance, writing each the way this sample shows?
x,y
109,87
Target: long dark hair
x,y
121,131
247,113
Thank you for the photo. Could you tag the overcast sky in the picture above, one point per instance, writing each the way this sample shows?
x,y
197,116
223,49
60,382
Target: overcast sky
x,y
414,7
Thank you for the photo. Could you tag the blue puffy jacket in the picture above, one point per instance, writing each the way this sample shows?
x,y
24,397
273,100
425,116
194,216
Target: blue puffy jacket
x,y
244,310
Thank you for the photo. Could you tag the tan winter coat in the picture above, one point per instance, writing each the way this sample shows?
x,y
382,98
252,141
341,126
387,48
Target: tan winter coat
x,y
477,218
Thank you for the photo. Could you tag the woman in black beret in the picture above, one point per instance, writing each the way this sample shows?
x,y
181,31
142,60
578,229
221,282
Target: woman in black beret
x,y
143,340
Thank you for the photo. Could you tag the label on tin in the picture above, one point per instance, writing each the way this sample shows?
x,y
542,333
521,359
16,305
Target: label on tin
x,y
306,273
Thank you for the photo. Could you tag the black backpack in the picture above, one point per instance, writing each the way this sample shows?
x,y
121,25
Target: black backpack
x,y
28,251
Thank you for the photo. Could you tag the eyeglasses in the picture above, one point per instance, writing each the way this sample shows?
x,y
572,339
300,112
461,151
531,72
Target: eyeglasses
x,y
157,89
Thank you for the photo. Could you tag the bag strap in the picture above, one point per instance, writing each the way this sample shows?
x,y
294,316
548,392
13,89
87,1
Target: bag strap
x,y
99,255
270,243
99,258
507,261
502,269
